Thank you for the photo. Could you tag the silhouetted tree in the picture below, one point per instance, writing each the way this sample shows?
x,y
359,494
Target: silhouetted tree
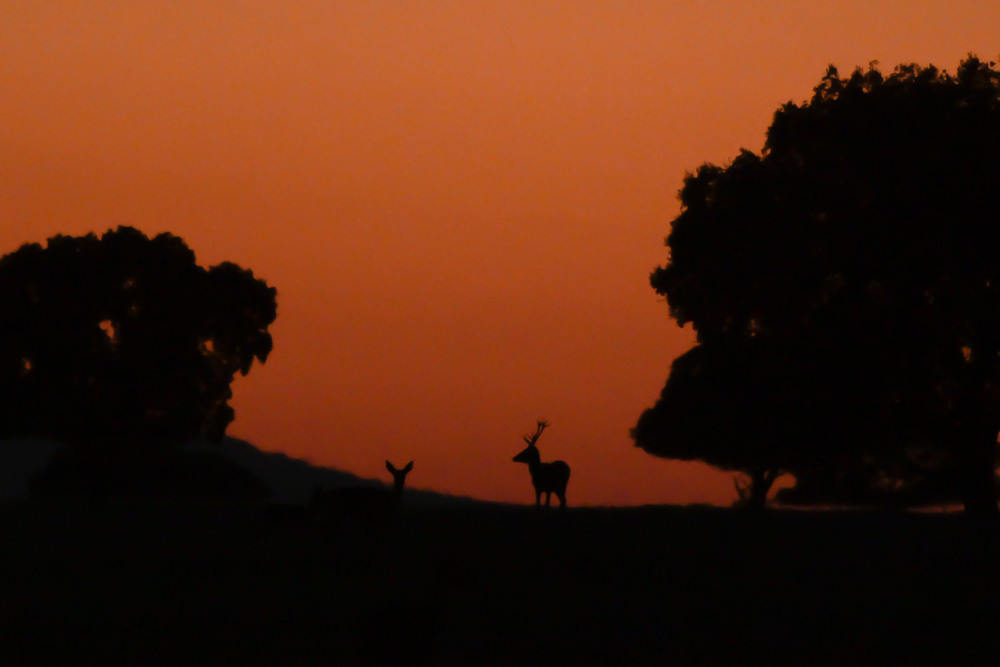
x,y
120,342
864,243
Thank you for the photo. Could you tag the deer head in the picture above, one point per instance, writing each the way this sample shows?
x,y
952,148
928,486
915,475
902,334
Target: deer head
x,y
530,453
399,476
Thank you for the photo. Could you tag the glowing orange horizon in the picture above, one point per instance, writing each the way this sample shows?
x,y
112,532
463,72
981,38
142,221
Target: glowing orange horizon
x,y
459,204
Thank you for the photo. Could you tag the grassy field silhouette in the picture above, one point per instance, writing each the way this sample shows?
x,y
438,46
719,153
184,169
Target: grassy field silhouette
x,y
468,584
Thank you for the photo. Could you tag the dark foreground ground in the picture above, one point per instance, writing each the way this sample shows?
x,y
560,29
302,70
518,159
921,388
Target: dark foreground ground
x,y
482,586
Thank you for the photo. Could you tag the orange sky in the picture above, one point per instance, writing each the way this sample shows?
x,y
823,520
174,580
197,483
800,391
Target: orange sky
x,y
459,202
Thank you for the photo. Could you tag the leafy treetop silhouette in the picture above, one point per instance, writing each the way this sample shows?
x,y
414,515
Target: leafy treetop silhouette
x,y
120,341
850,273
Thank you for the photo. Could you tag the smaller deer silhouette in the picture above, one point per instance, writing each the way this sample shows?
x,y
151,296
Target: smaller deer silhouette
x,y
361,502
547,478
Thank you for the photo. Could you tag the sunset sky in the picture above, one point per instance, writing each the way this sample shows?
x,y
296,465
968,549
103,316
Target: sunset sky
x,y
458,202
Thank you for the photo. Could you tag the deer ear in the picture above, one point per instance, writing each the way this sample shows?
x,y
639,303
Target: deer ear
x,y
409,467
390,467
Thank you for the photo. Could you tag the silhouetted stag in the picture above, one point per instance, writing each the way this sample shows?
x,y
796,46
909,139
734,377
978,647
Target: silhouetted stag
x,y
359,503
547,478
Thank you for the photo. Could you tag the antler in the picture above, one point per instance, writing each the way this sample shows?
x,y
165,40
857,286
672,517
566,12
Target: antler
x,y
532,439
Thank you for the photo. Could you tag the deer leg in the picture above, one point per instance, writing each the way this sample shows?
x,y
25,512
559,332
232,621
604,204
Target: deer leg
x,y
538,498
562,500
548,498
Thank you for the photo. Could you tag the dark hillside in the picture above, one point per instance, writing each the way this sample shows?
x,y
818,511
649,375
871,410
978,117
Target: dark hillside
x,y
292,480
289,481
462,585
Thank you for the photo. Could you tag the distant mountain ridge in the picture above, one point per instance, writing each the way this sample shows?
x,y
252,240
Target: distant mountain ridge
x,y
290,480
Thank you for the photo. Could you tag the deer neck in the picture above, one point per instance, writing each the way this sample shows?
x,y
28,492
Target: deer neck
x,y
396,493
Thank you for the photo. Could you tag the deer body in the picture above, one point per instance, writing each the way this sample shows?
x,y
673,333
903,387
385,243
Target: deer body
x,y
547,478
362,503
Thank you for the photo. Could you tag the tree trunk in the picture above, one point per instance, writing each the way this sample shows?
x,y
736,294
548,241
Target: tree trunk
x,y
761,481
977,438
978,474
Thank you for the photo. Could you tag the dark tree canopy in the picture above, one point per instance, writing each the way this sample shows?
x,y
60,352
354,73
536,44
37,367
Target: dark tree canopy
x,y
846,285
123,340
